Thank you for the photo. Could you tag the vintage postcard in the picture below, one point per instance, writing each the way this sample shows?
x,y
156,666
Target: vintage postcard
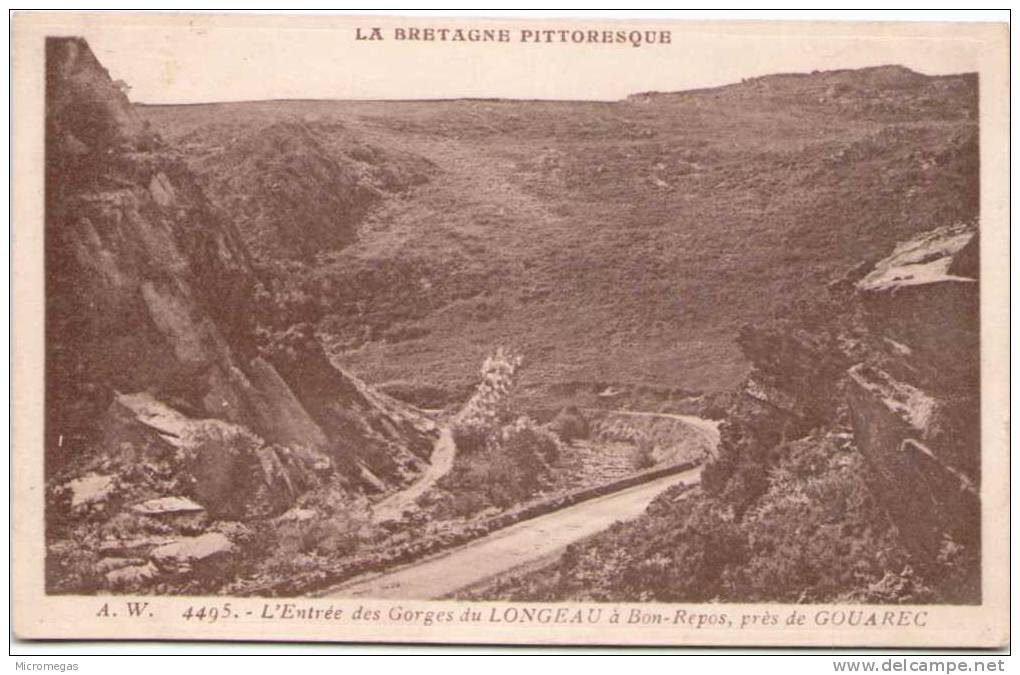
x,y
615,332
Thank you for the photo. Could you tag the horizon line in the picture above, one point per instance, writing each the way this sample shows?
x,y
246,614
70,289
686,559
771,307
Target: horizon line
x,y
498,99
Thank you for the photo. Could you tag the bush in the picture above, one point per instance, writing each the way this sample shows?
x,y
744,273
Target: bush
x,y
643,454
570,425
337,529
817,534
526,441
489,407
470,439
507,470
334,536
501,460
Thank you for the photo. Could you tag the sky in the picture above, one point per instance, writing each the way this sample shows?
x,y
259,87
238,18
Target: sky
x,y
233,58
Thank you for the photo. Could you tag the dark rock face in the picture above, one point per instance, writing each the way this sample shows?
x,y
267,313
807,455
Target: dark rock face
x,y
887,366
150,289
146,287
157,384
794,387
916,403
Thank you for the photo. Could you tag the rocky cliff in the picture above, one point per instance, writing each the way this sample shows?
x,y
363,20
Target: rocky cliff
x,y
159,383
915,402
887,367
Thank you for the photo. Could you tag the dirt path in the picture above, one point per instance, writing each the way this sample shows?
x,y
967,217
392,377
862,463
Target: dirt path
x,y
526,543
440,463
709,428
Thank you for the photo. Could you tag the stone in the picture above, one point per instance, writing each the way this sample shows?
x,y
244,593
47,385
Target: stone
x,y
131,577
161,189
926,259
925,284
193,549
90,489
905,405
167,506
110,564
967,260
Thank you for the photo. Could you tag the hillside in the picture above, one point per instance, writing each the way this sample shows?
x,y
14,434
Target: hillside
x,y
242,299
849,468
616,244
175,427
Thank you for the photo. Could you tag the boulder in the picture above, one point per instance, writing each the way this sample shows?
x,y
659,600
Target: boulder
x,y
229,472
110,564
167,506
132,577
90,491
923,303
193,550
296,516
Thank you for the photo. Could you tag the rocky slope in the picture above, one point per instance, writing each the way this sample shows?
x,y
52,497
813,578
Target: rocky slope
x,y
916,402
849,467
170,413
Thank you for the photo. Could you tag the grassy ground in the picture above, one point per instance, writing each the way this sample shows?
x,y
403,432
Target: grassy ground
x,y
611,243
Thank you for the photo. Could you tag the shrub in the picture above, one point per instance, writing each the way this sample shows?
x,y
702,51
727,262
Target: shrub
x,y
71,568
507,470
470,438
526,441
642,456
328,536
570,425
336,530
501,460
489,407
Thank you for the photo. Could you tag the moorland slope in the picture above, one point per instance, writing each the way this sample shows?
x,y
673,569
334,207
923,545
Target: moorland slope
x,y
615,244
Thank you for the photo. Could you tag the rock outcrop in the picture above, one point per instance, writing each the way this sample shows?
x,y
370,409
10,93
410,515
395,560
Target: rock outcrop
x,y
916,402
157,383
892,358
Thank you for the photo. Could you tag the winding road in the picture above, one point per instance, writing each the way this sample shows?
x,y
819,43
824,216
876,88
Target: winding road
x,y
709,428
527,544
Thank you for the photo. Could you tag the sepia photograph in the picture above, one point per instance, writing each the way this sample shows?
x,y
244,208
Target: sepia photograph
x,y
516,325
